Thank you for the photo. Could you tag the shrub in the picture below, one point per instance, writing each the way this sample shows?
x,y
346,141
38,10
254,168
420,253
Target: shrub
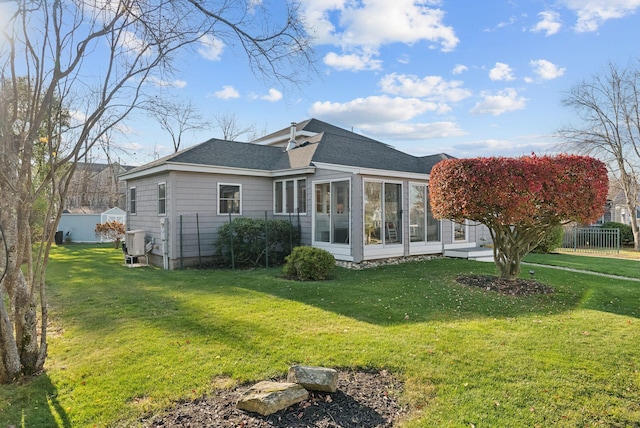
x,y
308,264
110,231
626,233
551,241
248,238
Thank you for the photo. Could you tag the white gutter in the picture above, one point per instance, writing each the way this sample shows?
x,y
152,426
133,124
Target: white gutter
x,y
372,171
211,169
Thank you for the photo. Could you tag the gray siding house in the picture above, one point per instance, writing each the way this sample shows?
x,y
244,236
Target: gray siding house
x,y
356,197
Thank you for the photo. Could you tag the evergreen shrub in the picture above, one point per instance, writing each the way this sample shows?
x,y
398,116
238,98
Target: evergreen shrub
x,y
246,238
308,264
552,240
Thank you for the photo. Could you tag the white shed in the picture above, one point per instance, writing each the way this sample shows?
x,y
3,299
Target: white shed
x,y
114,214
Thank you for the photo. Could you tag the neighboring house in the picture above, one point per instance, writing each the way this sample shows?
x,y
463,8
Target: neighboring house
x,y
616,209
355,197
95,188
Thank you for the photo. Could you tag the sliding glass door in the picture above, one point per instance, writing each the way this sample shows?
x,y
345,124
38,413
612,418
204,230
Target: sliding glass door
x,y
382,213
332,208
423,227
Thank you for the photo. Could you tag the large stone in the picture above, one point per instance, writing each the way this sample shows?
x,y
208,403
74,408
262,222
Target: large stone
x,y
269,397
314,378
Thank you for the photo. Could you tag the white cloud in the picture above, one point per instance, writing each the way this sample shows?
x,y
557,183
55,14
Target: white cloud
x,y
374,109
412,131
546,70
131,41
211,48
496,104
273,95
549,23
459,69
378,22
404,59
386,118
501,71
512,20
168,84
352,62
77,116
519,146
434,88
593,13
227,92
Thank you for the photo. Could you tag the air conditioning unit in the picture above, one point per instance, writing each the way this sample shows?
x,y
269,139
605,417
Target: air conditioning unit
x,y
135,243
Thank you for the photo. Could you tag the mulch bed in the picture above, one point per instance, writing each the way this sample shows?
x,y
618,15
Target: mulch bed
x,y
363,400
516,287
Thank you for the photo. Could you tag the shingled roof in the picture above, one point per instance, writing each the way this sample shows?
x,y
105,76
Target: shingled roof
x,y
323,143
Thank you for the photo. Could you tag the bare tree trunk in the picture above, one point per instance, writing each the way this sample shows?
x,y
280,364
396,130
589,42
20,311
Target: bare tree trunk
x,y
56,46
20,346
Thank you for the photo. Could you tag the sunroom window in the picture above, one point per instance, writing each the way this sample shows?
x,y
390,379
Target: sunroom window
x,y
332,207
382,213
423,227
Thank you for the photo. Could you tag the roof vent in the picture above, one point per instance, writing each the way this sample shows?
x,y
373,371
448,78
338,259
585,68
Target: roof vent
x,y
292,139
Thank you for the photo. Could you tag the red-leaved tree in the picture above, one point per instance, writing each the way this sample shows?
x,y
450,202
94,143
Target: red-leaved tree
x,y
519,199
111,231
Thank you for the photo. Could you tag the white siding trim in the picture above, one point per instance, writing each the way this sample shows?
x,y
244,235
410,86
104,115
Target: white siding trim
x,y
211,169
165,198
373,172
218,196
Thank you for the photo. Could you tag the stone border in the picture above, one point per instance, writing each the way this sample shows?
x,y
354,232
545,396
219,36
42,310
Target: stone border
x,y
368,264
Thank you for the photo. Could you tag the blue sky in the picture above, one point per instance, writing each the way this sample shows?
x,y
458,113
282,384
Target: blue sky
x,y
464,77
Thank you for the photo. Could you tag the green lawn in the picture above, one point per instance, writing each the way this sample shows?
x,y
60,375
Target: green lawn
x,y
609,265
126,342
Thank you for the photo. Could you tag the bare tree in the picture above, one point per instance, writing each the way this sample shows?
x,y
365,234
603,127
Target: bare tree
x,y
609,106
176,118
231,128
93,57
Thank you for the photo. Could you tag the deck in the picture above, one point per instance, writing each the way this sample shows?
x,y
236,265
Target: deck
x,y
480,254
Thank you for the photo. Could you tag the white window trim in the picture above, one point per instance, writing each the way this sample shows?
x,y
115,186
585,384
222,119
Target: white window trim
x,y
329,245
239,213
453,232
165,198
135,200
426,241
382,203
284,196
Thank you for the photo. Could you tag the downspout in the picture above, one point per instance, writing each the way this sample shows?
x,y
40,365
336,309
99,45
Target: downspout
x,y
164,226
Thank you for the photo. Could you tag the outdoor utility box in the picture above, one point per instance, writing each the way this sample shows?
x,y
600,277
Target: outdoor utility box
x,y
135,243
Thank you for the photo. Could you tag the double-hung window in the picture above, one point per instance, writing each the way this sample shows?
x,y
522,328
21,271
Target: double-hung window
x,y
162,198
460,231
229,198
290,196
132,200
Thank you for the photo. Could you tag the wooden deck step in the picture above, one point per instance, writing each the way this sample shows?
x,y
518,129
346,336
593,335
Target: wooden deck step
x,y
480,254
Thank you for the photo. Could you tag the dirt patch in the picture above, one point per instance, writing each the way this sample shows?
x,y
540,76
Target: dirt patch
x,y
516,287
363,400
